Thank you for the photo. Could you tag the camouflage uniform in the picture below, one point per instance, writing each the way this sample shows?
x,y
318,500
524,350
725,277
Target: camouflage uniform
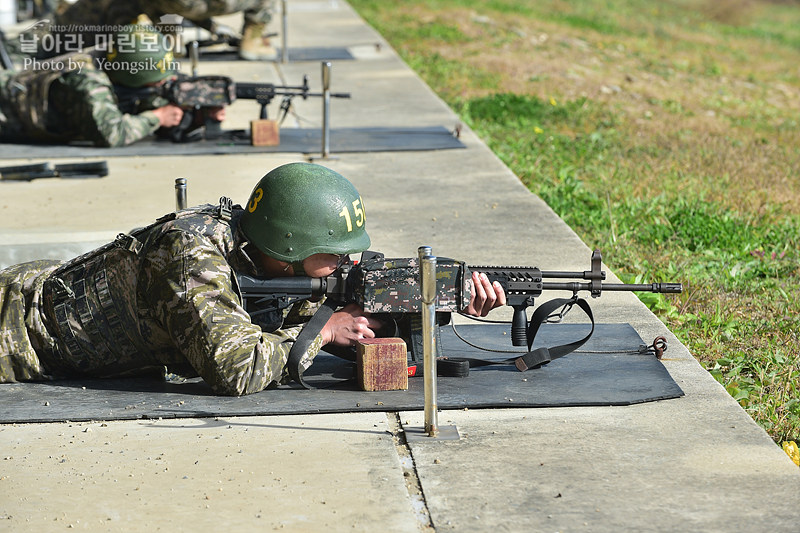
x,y
164,295
114,12
69,106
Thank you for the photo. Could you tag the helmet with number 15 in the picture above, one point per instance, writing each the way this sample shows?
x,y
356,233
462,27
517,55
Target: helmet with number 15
x,y
301,209
144,48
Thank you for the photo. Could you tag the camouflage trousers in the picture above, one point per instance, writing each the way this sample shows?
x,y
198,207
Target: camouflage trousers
x,y
255,11
114,12
23,335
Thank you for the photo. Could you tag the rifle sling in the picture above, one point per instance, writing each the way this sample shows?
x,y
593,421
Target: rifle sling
x,y
307,335
455,366
459,366
541,356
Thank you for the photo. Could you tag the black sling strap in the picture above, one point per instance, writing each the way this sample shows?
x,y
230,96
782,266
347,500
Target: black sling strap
x,y
543,355
459,366
307,335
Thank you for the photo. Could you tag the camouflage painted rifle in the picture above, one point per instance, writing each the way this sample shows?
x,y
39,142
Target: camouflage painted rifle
x,y
199,93
390,288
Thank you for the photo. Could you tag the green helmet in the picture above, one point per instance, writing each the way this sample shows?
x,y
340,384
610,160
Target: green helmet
x,y
301,209
138,56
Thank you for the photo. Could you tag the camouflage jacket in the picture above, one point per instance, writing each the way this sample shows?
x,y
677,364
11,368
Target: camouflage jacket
x,y
74,106
164,295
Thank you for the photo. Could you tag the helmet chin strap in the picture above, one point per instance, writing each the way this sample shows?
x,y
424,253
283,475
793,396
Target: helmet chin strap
x,y
297,267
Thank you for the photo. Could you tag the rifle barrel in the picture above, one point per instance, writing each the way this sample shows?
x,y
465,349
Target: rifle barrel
x,y
332,95
289,285
572,275
667,288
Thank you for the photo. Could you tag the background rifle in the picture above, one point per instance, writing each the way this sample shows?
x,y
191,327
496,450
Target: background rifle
x,y
195,95
391,287
33,171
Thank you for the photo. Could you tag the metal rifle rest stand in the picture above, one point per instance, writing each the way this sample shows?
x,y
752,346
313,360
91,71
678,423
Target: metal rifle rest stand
x,y
427,282
284,32
326,113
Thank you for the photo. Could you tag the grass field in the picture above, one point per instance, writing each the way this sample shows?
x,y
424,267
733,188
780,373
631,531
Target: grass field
x,y
665,133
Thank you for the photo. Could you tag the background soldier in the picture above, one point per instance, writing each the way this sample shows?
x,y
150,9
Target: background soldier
x,y
70,100
257,14
165,295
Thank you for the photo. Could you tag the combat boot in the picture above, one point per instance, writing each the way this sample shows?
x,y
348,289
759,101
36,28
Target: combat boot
x,y
254,45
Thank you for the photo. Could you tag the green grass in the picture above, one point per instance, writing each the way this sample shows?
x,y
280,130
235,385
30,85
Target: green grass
x,y
665,134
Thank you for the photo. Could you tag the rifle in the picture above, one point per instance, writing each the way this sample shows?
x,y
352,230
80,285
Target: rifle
x,y
43,170
389,288
197,93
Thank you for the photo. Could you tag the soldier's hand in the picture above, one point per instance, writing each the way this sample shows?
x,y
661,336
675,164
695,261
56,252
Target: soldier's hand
x,y
485,295
349,325
168,116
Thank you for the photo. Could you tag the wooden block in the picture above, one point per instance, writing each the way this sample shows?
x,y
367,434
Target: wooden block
x,y
264,132
382,364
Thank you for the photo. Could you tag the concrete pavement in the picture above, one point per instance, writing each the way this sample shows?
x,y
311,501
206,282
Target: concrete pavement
x,y
698,463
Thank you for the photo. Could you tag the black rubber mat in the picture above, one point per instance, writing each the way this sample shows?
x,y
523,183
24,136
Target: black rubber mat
x,y
607,371
293,140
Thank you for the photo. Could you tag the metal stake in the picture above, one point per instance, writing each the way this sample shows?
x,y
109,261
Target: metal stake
x,y
427,280
180,194
326,108
427,275
194,56
284,33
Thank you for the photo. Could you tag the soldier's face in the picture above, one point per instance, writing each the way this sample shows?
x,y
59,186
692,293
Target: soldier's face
x,y
315,266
